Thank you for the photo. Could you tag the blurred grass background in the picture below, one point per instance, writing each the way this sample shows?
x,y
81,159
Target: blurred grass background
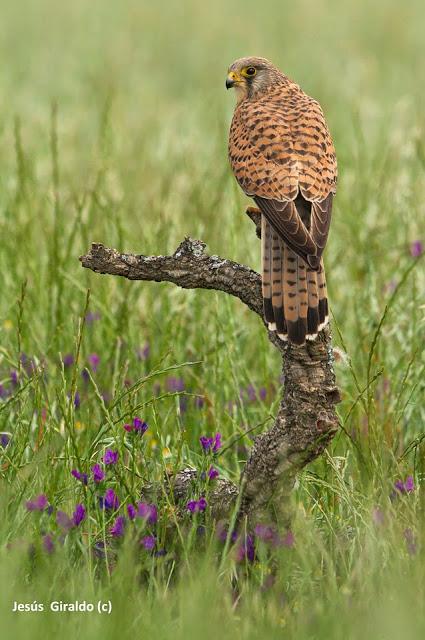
x,y
113,128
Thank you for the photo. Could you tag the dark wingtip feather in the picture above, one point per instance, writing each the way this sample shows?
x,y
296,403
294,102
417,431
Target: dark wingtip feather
x,y
323,310
297,331
313,320
279,319
268,310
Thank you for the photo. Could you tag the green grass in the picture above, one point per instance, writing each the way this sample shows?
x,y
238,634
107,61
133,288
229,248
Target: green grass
x,y
113,128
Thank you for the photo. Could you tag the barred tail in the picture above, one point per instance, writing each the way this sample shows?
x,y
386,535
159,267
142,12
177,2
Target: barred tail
x,y
266,256
294,295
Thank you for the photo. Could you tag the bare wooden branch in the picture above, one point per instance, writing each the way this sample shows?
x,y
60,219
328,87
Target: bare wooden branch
x,y
306,421
189,267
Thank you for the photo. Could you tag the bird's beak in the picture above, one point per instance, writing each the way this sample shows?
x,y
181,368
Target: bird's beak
x,y
232,79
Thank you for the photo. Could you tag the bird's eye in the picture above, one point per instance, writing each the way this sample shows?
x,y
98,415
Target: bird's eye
x,y
250,71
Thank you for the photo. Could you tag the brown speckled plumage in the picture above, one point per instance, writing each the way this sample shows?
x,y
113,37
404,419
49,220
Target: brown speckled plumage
x,y
282,155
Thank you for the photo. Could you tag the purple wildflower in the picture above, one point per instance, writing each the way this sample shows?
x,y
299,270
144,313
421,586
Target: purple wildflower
x,y
110,500
64,521
202,504
404,487
48,544
82,477
137,426
192,506
143,353
262,393
199,402
148,512
211,444
288,540
23,358
68,360
117,529
174,384
85,375
140,426
213,473
40,503
206,443
251,393
148,542
131,510
92,316
110,457
98,473
246,550
3,392
409,485
266,533
183,404
28,364
78,515
14,377
93,360
223,531
217,442
197,506
416,249
4,439
77,400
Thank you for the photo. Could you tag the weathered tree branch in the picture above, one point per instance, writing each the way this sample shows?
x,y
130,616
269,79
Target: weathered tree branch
x,y
306,421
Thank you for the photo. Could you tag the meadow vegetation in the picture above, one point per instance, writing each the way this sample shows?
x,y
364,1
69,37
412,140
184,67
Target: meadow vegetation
x,y
113,129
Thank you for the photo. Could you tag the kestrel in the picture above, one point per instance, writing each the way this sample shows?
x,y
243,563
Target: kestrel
x,y
282,155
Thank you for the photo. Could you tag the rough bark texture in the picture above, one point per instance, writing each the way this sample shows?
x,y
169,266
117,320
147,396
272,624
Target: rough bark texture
x,y
306,421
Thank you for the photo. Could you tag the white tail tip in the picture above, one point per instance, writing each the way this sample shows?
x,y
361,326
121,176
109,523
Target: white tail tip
x,y
323,324
283,337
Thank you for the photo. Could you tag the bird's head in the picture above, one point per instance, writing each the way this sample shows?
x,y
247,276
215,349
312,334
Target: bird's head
x,y
252,76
